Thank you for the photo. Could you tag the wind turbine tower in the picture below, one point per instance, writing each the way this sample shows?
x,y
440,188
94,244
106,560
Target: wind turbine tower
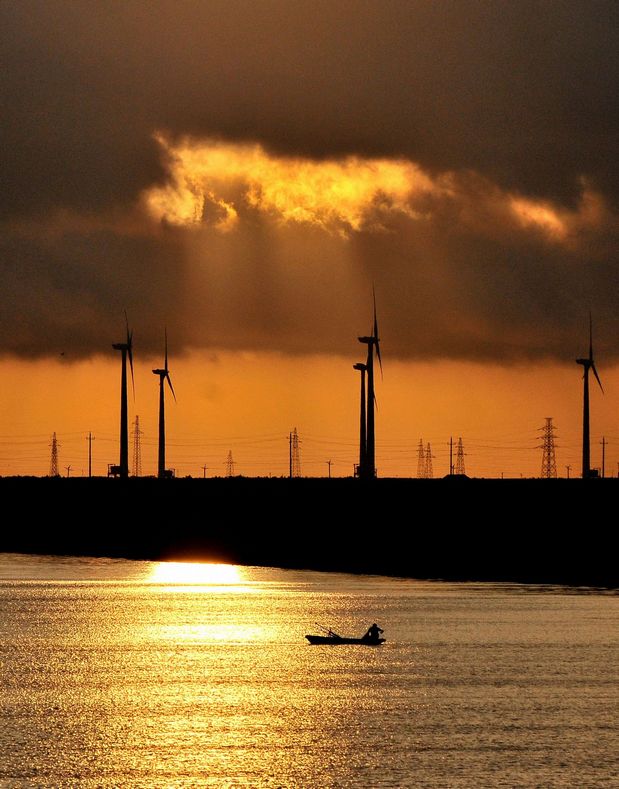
x,y
126,350
164,375
368,471
588,364
362,421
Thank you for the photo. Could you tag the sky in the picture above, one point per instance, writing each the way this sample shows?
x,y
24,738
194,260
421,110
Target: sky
x,y
246,174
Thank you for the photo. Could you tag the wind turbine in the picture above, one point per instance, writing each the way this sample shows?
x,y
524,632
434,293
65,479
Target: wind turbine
x,y
373,343
164,375
126,349
588,364
363,422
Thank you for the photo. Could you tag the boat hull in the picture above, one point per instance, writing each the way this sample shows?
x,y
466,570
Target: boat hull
x,y
337,640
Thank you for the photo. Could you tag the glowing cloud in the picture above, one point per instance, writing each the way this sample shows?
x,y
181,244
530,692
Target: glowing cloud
x,y
213,181
218,183
540,215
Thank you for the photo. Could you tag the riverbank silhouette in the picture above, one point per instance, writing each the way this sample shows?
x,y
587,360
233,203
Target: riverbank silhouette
x,y
454,529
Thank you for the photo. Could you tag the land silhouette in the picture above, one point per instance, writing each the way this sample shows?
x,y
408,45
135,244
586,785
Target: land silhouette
x,y
531,531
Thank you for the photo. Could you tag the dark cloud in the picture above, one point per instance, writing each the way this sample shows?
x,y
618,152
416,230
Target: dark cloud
x,y
523,92
68,293
522,96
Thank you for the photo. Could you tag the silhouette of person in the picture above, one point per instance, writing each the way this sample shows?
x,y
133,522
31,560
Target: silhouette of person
x,y
373,633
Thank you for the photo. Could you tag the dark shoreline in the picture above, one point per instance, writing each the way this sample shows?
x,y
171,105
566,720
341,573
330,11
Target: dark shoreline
x,y
529,531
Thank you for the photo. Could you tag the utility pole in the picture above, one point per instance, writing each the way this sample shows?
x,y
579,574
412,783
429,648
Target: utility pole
x,y
90,440
568,471
329,464
603,442
68,470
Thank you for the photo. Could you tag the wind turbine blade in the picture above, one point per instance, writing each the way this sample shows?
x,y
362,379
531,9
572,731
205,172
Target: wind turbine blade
x,y
167,377
375,401
375,334
597,377
590,337
165,366
380,363
130,354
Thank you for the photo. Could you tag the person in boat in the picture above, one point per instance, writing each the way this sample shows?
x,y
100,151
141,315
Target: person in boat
x,y
373,633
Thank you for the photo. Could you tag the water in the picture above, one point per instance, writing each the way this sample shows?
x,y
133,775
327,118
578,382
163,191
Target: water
x,y
138,674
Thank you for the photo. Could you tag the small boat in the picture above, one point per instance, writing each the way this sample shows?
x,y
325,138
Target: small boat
x,y
370,639
335,639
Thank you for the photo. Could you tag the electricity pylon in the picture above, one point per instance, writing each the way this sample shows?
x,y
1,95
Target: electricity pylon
x,y
549,463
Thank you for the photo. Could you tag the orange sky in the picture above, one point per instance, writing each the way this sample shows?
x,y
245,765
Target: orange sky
x,y
246,175
249,402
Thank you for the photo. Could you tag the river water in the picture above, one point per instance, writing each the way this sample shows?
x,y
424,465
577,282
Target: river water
x,y
140,674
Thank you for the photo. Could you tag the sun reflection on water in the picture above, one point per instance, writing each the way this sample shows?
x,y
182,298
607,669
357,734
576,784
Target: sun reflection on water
x,y
195,618
200,576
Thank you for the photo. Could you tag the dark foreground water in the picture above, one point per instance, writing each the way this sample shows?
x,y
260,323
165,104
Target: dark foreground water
x,y
141,674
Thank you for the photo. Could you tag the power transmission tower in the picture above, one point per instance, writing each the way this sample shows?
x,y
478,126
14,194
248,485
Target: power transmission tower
x,y
137,448
549,463
460,458
53,466
421,461
294,455
429,474
230,465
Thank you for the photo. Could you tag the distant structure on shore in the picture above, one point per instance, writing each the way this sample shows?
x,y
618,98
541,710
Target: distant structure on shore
x,y
230,465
